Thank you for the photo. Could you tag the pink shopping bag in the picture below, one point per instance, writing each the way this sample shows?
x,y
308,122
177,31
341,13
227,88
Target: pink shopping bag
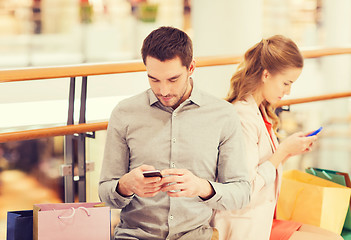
x,y
71,221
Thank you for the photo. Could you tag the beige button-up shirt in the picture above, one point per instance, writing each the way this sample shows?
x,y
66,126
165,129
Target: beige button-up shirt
x,y
202,135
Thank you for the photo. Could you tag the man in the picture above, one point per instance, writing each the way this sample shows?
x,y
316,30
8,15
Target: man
x,y
192,137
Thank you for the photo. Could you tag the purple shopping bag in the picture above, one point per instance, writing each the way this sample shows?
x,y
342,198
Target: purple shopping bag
x,y
71,221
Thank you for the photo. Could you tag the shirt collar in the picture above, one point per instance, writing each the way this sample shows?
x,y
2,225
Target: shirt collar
x,y
195,96
152,97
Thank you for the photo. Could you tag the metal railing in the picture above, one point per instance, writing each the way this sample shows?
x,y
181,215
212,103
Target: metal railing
x,y
76,133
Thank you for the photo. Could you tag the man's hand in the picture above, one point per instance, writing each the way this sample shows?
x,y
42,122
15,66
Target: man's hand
x,y
134,182
183,183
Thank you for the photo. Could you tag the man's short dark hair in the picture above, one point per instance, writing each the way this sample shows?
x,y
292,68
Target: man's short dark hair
x,y
166,43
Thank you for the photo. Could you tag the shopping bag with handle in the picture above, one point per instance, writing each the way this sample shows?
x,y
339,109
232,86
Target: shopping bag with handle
x,y
346,234
20,225
71,221
312,200
341,178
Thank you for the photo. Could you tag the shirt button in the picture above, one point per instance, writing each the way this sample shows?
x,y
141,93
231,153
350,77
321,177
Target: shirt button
x,y
171,217
173,165
173,140
174,114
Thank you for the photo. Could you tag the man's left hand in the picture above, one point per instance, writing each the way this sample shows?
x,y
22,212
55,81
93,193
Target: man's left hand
x,y
183,183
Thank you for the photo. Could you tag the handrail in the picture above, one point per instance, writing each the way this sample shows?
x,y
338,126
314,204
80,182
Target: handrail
x,y
39,73
312,99
52,132
125,67
316,53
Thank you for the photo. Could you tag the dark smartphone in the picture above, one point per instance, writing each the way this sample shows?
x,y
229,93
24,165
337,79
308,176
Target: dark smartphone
x,y
315,132
153,173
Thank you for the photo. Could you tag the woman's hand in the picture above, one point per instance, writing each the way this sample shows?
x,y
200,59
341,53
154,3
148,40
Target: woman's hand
x,y
295,144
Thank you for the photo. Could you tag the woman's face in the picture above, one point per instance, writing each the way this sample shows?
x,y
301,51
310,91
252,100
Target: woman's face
x,y
276,86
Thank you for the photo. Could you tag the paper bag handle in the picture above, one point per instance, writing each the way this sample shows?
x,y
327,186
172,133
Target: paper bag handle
x,y
313,171
327,175
323,172
74,212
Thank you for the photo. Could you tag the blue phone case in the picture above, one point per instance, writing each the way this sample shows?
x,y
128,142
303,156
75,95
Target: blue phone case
x,y
315,132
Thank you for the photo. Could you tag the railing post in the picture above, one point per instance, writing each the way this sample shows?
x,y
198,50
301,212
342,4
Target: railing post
x,y
69,148
81,144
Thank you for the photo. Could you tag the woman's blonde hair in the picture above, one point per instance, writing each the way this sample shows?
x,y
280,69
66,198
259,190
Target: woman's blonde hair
x,y
275,54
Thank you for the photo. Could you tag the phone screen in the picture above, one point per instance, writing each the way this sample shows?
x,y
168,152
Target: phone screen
x,y
153,173
315,132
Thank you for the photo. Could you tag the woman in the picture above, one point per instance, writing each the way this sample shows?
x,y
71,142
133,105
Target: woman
x,y
269,69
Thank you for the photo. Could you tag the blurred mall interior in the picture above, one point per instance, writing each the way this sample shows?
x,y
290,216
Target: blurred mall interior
x,y
46,33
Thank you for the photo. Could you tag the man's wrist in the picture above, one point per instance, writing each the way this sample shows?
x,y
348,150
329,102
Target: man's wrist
x,y
208,191
121,190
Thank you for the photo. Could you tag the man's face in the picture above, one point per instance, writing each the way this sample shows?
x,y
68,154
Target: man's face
x,y
169,80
